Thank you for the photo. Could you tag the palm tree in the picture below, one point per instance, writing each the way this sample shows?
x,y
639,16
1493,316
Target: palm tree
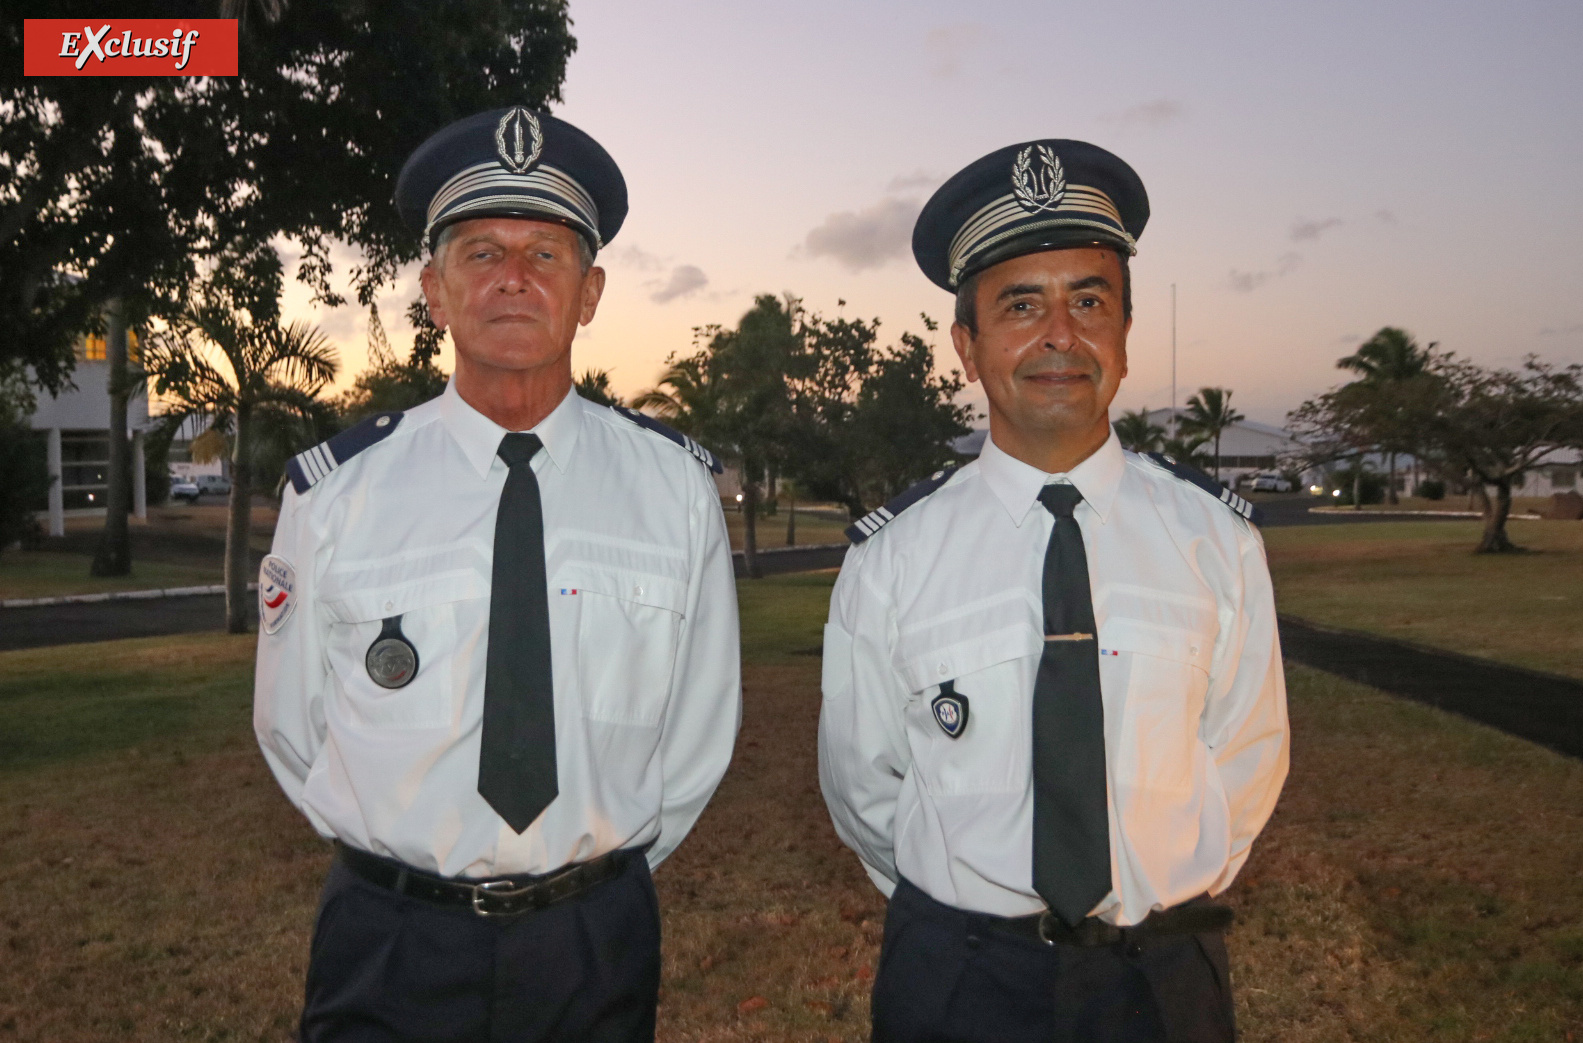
x,y
594,385
1208,414
687,395
1138,433
1391,356
233,375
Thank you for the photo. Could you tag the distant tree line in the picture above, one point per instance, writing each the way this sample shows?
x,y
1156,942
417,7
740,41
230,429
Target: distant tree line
x,y
1471,426
797,400
1198,430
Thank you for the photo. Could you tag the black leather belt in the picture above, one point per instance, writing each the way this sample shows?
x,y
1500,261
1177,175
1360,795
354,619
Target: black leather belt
x,y
1197,916
496,896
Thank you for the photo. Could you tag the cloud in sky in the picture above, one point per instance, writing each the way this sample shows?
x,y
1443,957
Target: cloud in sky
x,y
918,179
1149,115
685,279
1562,331
1247,282
1304,230
866,238
634,256
949,47
1385,217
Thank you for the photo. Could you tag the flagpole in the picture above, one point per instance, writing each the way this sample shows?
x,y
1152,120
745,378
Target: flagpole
x,y
1173,360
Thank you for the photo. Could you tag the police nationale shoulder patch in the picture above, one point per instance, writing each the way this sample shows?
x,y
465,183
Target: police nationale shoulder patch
x,y
277,595
1193,476
704,456
880,517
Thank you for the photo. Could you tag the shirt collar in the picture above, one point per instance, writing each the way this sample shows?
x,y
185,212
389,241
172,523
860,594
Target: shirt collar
x,y
479,437
1017,484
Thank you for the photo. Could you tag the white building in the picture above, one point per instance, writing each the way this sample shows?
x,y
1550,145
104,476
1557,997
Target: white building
x,y
76,426
1246,447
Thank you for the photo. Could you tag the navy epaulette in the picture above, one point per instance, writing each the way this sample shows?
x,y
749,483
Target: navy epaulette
x,y
707,458
880,517
1196,477
309,467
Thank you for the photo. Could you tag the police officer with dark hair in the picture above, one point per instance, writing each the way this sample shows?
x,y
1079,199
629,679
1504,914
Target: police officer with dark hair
x,y
498,663
1054,715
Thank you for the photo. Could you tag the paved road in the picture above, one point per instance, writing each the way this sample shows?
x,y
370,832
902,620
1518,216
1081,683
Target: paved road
x,y
1543,708
1294,511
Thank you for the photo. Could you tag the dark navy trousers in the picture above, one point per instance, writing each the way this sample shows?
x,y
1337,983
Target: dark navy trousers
x,y
386,968
948,976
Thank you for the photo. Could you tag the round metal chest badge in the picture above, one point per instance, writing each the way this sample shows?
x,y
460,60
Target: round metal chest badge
x,y
391,660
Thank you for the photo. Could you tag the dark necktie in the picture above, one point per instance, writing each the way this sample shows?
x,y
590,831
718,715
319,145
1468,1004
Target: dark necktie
x,y
1071,831
516,758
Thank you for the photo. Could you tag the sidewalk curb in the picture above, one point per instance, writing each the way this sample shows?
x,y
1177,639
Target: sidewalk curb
x,y
118,595
1349,512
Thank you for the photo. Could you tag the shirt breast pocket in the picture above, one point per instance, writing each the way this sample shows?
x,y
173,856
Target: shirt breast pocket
x,y
427,607
991,673
1161,674
625,626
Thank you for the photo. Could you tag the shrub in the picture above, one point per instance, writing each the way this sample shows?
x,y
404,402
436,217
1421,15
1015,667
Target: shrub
x,y
1371,487
1432,489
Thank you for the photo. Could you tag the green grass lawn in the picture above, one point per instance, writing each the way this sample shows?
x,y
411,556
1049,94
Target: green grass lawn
x,y
1419,880
43,573
1419,581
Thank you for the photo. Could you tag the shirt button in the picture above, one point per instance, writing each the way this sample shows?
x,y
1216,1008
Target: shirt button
x,y
389,605
943,669
637,592
383,421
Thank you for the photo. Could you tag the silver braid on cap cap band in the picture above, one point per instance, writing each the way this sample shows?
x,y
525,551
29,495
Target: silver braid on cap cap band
x,y
1006,217
488,186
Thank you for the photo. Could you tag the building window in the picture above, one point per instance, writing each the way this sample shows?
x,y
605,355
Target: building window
x,y
1563,477
85,468
94,347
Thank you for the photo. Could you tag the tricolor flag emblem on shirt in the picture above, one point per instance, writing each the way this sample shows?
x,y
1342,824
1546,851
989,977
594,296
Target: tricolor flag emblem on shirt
x,y
568,590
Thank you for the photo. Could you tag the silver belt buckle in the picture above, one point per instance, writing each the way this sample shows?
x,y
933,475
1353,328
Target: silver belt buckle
x,y
1045,919
494,889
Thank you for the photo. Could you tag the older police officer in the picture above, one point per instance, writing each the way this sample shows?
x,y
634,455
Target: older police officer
x,y
1054,716
498,661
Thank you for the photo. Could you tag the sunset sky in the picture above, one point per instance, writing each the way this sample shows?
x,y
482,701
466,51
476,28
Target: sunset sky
x,y
1315,172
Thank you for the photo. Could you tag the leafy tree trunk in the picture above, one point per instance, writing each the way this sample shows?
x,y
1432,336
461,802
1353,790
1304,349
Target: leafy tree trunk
x,y
1390,490
750,543
114,554
1496,511
238,524
1357,484
1217,455
791,521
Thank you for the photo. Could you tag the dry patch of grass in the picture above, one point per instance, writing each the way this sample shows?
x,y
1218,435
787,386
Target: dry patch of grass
x,y
1418,881
1421,582
44,573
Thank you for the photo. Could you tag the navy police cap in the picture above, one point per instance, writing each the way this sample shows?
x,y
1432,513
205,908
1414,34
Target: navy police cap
x,y
1039,195
512,163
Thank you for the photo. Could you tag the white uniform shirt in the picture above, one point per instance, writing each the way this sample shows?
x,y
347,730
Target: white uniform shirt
x,y
1190,670
643,629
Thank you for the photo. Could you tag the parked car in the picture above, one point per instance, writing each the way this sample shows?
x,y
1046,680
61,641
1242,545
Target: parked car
x,y
214,483
1271,483
184,489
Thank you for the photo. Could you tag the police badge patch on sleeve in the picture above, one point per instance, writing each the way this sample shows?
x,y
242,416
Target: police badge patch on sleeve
x,y
277,581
